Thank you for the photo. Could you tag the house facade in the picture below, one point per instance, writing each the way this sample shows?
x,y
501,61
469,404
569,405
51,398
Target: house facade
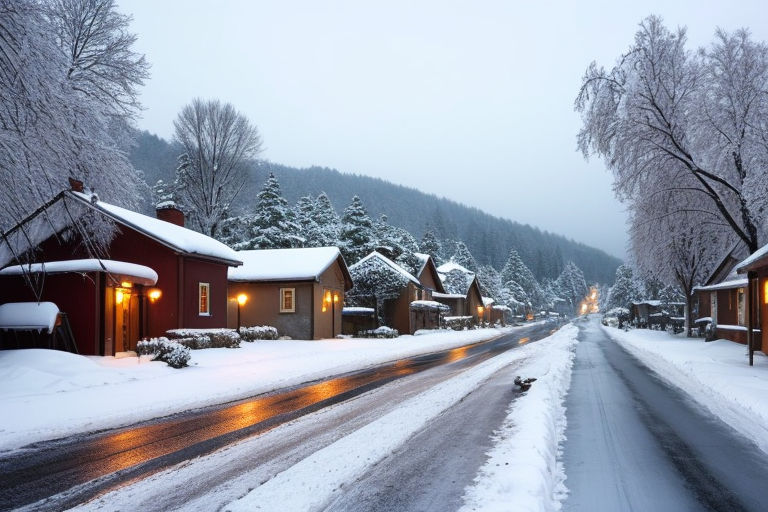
x,y
300,292
463,295
755,268
111,304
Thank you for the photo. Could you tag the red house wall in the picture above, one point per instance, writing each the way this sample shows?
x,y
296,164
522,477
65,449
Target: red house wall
x,y
76,295
215,274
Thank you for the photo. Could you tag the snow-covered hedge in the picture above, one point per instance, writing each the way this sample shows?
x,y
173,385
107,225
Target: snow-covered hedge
x,y
380,332
172,352
458,323
205,338
258,332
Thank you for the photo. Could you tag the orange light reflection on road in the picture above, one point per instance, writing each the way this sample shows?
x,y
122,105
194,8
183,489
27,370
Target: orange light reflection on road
x,y
523,341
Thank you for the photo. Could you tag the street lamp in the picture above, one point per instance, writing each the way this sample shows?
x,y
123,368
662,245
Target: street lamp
x,y
241,300
480,310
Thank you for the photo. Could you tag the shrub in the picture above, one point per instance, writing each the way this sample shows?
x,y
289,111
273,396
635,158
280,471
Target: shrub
x,y
458,323
258,332
205,338
380,332
171,352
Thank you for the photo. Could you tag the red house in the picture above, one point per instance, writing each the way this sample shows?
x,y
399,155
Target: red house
x,y
153,276
756,269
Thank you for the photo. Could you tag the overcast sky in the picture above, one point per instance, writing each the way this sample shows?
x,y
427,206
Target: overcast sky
x,y
469,100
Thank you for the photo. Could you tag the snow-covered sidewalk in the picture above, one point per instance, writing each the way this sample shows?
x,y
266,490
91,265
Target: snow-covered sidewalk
x,y
49,394
716,374
529,439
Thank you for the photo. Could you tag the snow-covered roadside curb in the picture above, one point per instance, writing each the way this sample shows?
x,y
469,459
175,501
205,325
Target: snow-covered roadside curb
x,y
49,394
714,374
522,471
311,483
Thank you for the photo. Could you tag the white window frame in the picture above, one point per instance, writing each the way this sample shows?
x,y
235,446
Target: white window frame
x,y
292,309
207,287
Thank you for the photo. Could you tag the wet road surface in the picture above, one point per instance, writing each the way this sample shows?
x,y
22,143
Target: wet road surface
x,y
76,469
635,443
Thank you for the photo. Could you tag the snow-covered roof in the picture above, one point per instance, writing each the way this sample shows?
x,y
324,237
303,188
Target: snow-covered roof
x,y
424,258
487,301
438,295
756,257
28,315
176,237
725,285
501,308
449,266
394,266
429,304
356,310
653,302
305,264
120,270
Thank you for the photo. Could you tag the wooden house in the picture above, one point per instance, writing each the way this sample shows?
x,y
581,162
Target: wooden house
x,y
755,267
413,308
462,291
298,291
721,301
153,276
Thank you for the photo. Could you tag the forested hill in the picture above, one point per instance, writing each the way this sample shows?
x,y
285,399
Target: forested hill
x,y
489,238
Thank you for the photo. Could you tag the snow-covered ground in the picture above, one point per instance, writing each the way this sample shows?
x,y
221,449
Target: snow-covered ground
x,y
522,471
528,441
49,394
715,374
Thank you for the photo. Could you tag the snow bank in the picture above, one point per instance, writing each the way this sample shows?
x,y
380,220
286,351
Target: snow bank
x,y
522,471
715,374
48,394
313,482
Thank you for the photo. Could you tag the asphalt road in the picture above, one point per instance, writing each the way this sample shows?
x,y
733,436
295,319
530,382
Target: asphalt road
x,y
635,443
59,474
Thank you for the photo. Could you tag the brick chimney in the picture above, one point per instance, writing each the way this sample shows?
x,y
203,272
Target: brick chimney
x,y
169,212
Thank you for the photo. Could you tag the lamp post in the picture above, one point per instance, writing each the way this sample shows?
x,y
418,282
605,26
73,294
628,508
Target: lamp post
x,y
241,300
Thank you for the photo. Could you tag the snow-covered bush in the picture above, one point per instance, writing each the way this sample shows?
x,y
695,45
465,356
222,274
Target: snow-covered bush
x,y
380,332
171,352
258,332
205,338
616,317
458,323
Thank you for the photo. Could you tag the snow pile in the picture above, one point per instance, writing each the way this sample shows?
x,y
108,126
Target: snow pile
x,y
28,315
429,305
379,332
48,394
716,374
522,471
312,483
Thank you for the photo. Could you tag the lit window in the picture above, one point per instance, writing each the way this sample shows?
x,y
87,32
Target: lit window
x,y
204,302
741,311
287,300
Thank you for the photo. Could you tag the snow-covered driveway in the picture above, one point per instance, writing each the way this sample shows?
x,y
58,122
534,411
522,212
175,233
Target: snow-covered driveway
x,y
634,442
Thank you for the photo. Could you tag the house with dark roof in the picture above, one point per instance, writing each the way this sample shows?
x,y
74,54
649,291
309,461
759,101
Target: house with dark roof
x,y
154,275
298,291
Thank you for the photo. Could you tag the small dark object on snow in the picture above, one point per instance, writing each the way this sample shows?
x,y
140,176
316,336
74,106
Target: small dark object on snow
x,y
524,385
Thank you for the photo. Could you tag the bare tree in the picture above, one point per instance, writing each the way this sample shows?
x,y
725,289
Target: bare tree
x,y
662,112
49,129
101,62
217,141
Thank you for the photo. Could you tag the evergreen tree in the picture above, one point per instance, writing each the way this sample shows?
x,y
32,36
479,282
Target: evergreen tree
x,y
571,284
304,215
517,271
358,237
625,289
431,245
271,227
457,282
489,280
327,221
463,257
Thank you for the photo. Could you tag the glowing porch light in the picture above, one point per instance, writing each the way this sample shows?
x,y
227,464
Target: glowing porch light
x,y
335,297
242,299
765,291
119,294
154,294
